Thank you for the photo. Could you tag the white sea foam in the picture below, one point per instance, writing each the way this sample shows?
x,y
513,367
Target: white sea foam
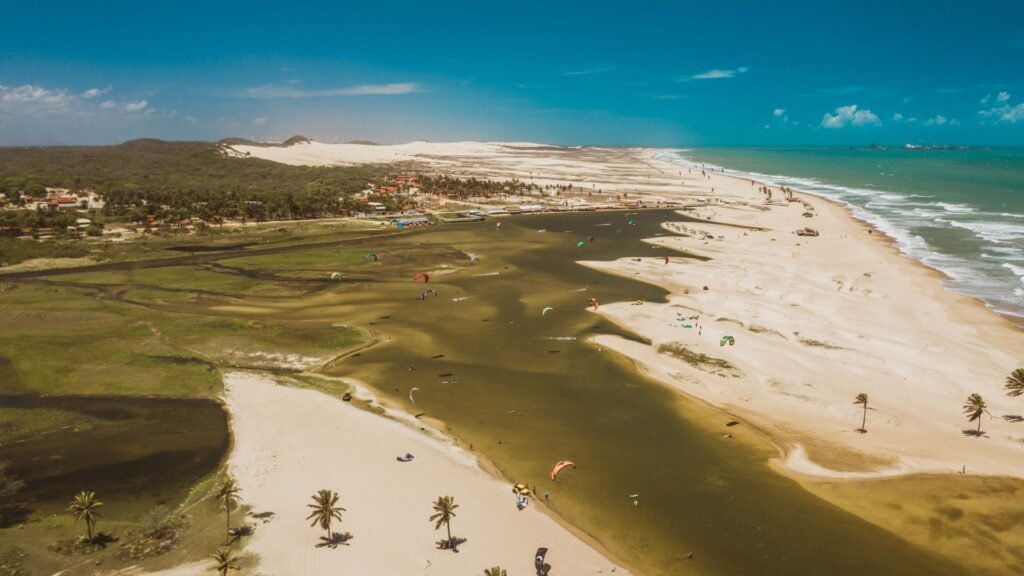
x,y
1018,271
958,208
992,231
905,217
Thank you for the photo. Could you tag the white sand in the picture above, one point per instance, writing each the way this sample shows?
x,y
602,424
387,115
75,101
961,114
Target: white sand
x,y
892,330
291,442
915,347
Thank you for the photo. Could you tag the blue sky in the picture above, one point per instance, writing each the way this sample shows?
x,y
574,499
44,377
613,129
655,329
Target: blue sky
x,y
637,73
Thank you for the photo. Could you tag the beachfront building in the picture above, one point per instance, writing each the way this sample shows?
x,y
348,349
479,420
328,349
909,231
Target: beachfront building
x,y
412,222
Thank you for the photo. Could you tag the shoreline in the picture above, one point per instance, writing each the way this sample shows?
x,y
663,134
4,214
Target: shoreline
x,y
1017,319
863,312
438,431
982,319
264,462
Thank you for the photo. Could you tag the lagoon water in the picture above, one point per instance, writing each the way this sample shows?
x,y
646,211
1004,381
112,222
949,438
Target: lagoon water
x,y
958,211
527,390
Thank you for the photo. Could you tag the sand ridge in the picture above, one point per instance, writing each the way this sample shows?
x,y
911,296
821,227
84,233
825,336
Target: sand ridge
x,y
291,442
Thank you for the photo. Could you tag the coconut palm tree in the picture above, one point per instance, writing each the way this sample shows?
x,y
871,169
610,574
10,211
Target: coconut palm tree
x,y
974,408
325,510
83,507
444,511
1015,383
224,560
228,495
496,571
862,399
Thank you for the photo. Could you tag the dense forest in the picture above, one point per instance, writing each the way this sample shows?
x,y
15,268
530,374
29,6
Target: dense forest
x,y
180,180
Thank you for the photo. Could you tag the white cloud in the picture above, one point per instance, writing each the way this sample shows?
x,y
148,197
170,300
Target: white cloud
x,y
778,112
135,106
273,92
940,120
261,121
31,99
108,105
1002,97
190,119
715,74
1005,113
986,99
897,117
849,115
95,92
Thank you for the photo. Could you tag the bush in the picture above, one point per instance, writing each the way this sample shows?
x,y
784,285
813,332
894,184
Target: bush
x,y
158,533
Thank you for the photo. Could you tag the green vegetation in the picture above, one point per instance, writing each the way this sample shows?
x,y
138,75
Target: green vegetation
x,y
223,561
1015,383
495,571
178,180
444,511
85,507
453,187
13,250
229,495
974,408
325,511
700,361
862,399
819,344
159,532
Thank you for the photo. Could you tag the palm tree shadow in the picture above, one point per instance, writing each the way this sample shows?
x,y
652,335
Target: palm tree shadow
x,y
448,545
101,540
1013,418
336,539
974,432
239,532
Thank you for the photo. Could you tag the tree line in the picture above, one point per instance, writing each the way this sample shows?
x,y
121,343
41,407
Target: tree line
x,y
181,180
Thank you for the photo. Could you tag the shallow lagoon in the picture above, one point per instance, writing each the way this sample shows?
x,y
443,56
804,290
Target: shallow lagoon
x,y
527,391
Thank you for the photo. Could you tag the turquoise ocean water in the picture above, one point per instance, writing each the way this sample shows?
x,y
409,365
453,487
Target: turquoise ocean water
x,y
958,211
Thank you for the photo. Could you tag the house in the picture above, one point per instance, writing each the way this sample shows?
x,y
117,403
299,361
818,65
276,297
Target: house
x,y
64,203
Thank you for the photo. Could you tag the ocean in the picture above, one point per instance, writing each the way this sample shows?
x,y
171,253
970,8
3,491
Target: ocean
x,y
958,211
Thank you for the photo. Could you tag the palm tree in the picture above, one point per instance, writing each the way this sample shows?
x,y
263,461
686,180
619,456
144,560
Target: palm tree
x,y
83,507
974,408
224,560
496,571
444,511
228,495
325,510
862,399
1015,383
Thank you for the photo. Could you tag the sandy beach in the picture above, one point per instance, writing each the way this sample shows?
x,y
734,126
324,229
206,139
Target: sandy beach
x,y
816,320
321,442
813,321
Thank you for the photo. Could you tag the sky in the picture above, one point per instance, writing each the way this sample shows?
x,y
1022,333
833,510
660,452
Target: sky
x,y
643,73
